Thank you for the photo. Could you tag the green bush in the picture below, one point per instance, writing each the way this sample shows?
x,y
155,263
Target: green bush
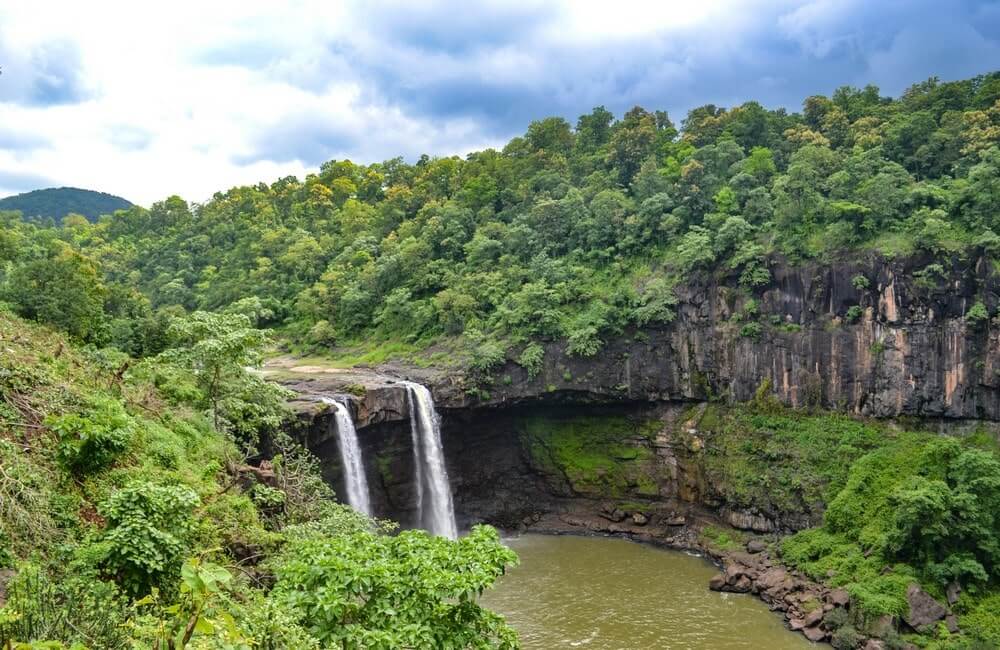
x,y
532,359
860,282
854,312
751,330
148,532
410,590
977,314
93,439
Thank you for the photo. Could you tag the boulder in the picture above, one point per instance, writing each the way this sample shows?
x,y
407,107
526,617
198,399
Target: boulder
x,y
815,634
952,592
756,546
839,598
951,622
924,611
717,582
742,585
639,519
814,617
873,644
796,623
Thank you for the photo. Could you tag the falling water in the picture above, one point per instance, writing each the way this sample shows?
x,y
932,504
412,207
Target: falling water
x,y
437,514
350,453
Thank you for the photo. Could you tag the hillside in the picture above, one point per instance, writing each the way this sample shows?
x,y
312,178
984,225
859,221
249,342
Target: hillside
x,y
128,517
56,202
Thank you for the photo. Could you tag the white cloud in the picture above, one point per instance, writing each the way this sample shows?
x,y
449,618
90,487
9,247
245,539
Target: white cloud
x,y
193,97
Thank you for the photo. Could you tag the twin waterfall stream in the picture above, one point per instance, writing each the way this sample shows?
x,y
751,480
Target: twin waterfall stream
x,y
434,502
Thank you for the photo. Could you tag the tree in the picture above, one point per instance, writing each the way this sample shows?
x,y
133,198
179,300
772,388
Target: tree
x,y
412,590
62,288
218,349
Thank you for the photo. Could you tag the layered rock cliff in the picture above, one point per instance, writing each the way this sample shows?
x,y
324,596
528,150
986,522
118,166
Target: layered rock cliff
x,y
873,337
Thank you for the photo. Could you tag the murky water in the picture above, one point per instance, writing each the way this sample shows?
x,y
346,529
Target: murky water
x,y
612,594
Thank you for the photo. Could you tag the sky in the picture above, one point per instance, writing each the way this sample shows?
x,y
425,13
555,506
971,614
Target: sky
x,y
146,100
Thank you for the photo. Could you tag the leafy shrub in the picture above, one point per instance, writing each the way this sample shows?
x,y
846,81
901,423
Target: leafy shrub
x,y
409,590
854,312
532,359
583,342
486,353
92,440
751,330
148,532
846,637
977,314
656,303
860,282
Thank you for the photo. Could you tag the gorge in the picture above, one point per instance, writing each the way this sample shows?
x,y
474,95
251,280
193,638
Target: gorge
x,y
647,439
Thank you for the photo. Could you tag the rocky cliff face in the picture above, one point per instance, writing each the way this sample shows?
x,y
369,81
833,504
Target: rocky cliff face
x,y
816,335
874,337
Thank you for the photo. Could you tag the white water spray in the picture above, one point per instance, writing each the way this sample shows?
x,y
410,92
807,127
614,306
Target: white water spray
x,y
355,481
434,503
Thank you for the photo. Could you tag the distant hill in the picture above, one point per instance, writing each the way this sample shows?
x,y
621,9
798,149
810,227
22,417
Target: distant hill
x,y
57,202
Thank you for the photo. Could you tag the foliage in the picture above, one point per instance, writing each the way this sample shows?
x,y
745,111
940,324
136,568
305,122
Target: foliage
x,y
532,358
977,314
218,349
149,530
71,610
91,440
57,202
362,590
568,234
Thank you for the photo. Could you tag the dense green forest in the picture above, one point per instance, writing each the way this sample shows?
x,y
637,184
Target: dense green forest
x,y
56,202
125,503
567,233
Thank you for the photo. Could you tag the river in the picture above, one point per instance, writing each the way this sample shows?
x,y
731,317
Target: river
x,y
612,594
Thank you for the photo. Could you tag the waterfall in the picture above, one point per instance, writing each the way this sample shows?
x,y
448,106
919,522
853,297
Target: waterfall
x,y
434,504
355,482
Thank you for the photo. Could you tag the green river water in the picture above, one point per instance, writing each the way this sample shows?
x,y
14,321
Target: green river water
x,y
612,594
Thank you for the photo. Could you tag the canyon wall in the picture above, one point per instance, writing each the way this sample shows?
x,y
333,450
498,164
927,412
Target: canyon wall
x,y
874,337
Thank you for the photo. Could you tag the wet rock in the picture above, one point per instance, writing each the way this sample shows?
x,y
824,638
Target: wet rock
x,y
756,546
796,624
814,617
882,625
924,611
815,634
742,585
952,592
744,520
639,519
612,513
717,582
839,597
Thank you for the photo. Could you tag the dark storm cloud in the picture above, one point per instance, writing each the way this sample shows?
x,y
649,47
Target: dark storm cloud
x,y
13,182
311,139
49,74
498,69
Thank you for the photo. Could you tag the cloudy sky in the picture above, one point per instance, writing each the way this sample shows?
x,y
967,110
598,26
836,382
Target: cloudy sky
x,y
145,100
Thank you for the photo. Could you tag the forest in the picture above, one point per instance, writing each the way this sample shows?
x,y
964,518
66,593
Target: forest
x,y
569,233
128,419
